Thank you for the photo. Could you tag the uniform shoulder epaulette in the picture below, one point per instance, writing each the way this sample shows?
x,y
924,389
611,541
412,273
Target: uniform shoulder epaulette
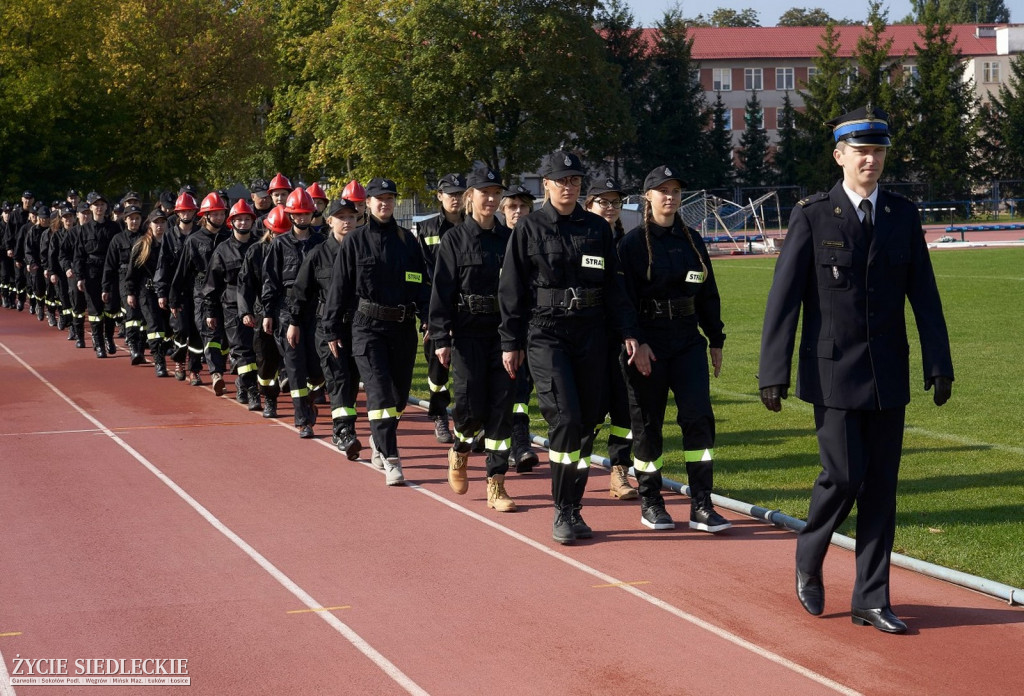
x,y
820,196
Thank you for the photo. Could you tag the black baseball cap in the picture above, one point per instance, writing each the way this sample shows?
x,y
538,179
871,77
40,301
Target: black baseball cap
x,y
608,185
562,163
482,177
94,196
451,183
519,191
380,186
659,175
339,205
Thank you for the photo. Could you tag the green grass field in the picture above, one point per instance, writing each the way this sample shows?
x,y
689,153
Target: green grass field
x,y
961,494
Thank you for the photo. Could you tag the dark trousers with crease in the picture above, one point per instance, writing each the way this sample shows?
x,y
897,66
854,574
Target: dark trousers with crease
x,y
860,460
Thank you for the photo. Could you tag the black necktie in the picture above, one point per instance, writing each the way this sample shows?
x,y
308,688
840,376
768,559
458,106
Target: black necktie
x,y
868,225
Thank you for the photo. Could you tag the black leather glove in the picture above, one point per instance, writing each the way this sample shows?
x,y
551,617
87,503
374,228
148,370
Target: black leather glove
x,y
943,389
770,396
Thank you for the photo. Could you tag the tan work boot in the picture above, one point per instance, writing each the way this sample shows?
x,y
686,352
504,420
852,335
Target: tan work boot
x,y
497,498
458,477
620,487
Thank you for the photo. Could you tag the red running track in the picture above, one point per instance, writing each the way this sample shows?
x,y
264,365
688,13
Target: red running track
x,y
143,518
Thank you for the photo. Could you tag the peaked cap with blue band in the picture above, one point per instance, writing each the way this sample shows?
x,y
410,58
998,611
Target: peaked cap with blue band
x,y
867,125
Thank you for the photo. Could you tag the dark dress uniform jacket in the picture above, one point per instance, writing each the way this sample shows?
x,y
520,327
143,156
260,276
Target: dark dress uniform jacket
x,y
308,295
854,352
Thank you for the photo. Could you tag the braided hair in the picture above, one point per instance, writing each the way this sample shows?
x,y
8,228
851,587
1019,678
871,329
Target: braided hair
x,y
677,219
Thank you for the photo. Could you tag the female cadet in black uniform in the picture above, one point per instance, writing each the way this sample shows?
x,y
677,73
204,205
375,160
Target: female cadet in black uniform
x,y
516,202
34,262
90,256
115,277
668,275
58,277
67,264
186,344
559,291
380,276
250,308
186,296
306,303
220,296
464,322
605,199
429,234
140,287
280,268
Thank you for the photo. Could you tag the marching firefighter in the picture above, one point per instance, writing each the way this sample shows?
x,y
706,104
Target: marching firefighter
x,y
450,189
306,302
186,291
464,320
252,312
559,293
280,268
90,256
220,296
668,275
379,275
140,287
185,347
115,276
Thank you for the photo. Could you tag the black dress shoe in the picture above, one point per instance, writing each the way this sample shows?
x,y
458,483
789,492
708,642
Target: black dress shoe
x,y
883,619
811,592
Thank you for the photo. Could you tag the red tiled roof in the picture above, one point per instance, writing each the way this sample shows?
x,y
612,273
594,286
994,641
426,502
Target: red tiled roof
x,y
723,43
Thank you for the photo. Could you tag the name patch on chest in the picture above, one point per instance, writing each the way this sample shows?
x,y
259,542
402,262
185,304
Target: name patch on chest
x,y
695,277
833,243
411,277
593,262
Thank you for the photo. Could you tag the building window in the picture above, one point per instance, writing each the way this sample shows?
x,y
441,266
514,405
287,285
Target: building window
x,y
812,72
990,72
722,79
911,74
752,79
783,79
728,119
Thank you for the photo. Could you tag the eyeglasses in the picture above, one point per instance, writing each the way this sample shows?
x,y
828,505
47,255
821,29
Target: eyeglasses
x,y
605,203
569,182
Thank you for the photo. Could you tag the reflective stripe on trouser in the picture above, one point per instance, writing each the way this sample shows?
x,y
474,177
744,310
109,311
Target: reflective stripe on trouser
x,y
341,376
483,397
683,368
564,361
268,361
437,382
385,353
240,338
302,364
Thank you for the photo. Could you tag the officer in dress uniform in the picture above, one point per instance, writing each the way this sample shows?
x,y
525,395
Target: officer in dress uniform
x,y
852,259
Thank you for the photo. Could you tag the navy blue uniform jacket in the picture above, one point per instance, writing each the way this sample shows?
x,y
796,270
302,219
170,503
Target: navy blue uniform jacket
x,y
854,352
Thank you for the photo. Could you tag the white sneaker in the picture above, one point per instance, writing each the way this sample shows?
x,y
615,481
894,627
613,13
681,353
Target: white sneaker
x,y
375,458
393,471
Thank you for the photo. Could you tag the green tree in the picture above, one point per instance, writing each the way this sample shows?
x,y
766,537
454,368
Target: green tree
x,y
725,17
803,17
626,49
942,133
825,98
673,130
411,90
719,165
755,162
964,11
1002,146
787,150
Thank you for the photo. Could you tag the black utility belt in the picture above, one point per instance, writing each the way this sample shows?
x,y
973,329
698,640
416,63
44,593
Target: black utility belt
x,y
570,298
372,310
479,304
667,309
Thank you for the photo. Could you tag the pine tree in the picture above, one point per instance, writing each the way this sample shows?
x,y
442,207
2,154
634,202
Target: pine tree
x,y
719,170
755,166
1002,146
787,151
674,129
826,97
943,133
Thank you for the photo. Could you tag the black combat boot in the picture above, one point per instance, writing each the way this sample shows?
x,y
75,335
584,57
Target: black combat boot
x,y
97,340
108,332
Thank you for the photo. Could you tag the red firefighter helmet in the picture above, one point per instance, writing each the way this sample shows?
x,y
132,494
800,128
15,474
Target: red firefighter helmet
x,y
241,207
212,203
315,192
185,202
279,183
354,191
299,202
277,221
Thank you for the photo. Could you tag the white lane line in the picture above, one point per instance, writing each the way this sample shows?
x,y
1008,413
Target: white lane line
x,y
357,641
